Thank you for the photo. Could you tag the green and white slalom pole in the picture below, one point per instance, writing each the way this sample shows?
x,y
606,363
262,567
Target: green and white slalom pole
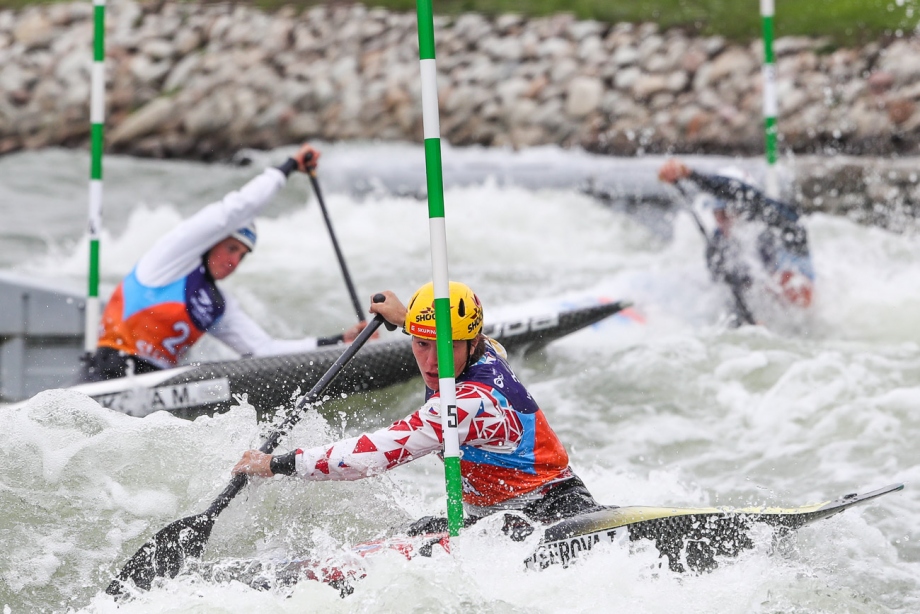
x,y
97,126
438,237
770,106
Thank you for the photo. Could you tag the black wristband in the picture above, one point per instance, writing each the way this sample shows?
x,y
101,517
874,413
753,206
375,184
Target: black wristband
x,y
284,464
334,340
288,166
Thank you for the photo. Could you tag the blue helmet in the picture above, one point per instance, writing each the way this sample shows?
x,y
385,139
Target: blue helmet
x,y
246,235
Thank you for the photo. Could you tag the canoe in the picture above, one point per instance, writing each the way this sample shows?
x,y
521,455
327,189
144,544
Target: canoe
x,y
274,381
691,539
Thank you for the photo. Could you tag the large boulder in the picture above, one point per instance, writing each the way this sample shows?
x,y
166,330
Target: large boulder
x,y
583,96
145,120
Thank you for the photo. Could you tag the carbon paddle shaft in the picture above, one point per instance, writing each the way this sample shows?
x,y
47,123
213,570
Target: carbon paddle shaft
x,y
164,554
239,481
742,307
335,245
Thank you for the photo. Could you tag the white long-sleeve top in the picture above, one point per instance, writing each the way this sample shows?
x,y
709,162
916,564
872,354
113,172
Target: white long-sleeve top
x,y
180,251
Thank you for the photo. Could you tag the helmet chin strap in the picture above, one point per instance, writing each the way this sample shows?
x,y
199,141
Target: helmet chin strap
x,y
469,352
204,261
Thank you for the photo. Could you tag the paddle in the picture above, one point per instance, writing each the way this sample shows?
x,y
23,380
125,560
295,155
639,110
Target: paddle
x,y
335,243
165,553
735,288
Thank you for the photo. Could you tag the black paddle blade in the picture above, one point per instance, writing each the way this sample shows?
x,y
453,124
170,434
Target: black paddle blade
x,y
165,553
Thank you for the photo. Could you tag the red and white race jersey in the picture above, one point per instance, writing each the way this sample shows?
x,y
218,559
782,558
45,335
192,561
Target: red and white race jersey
x,y
507,448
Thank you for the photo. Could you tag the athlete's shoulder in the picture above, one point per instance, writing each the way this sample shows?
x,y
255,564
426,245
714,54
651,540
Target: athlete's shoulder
x,y
487,368
493,375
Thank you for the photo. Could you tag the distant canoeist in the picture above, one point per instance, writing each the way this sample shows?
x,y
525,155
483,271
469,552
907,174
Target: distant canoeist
x,y
510,457
782,247
171,298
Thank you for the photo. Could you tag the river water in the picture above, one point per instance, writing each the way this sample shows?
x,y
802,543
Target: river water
x,y
668,406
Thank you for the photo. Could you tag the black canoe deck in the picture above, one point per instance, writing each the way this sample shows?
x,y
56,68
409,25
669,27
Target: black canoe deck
x,y
273,381
690,538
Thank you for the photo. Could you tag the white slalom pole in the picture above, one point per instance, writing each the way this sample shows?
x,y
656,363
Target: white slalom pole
x,y
97,126
438,234
770,105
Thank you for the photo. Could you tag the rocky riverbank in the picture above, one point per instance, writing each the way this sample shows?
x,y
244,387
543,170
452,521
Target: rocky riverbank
x,y
204,80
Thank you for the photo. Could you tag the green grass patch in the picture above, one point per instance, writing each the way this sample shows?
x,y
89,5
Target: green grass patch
x,y
845,22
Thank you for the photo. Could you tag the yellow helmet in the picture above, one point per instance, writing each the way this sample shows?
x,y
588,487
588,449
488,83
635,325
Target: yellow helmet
x,y
465,312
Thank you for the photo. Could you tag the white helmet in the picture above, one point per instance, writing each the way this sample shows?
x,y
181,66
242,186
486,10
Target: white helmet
x,y
246,235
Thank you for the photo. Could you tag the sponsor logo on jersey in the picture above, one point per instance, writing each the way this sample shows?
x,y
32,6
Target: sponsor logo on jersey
x,y
202,305
152,353
468,488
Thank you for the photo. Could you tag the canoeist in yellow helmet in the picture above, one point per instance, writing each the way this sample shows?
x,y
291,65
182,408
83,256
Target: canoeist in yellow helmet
x,y
510,457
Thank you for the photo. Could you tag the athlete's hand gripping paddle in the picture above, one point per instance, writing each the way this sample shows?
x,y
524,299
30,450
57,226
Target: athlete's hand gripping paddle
x,y
165,553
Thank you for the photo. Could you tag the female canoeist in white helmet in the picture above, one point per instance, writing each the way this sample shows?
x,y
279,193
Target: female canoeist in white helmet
x,y
171,298
510,457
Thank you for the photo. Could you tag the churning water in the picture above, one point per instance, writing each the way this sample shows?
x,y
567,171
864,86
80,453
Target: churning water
x,y
666,407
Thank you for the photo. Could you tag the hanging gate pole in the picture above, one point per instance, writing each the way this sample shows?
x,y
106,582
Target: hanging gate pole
x,y
770,105
97,127
438,237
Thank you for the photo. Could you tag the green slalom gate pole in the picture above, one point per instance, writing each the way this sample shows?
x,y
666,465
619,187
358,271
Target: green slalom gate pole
x,y
438,237
770,106
97,125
